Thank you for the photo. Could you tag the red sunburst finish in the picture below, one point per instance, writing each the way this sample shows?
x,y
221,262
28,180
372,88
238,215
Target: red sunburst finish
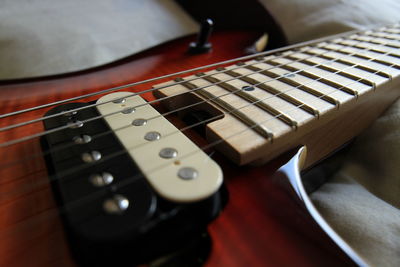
x,y
262,224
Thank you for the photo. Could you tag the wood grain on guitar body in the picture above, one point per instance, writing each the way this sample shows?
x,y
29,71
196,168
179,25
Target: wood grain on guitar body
x,y
320,94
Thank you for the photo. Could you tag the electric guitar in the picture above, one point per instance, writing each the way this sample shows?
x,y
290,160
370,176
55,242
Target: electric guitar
x,y
62,199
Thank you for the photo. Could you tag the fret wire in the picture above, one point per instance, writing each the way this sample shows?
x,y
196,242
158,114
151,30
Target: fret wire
x,y
316,78
85,107
371,60
326,76
375,42
321,79
384,36
381,59
359,46
59,148
273,91
208,145
380,36
353,73
289,98
238,114
297,85
390,30
330,69
172,75
77,109
191,126
391,58
145,81
349,63
309,109
130,180
94,105
248,97
84,121
237,133
375,60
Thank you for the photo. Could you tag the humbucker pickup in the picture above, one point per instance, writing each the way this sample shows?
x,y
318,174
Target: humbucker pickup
x,y
174,166
130,186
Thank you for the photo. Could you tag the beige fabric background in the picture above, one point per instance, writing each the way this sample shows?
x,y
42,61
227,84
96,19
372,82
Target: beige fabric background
x,y
362,201
44,37
310,19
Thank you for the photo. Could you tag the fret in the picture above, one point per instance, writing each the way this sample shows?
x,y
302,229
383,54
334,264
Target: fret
x,y
261,122
296,115
339,96
372,47
379,41
245,94
389,36
329,66
382,37
365,54
391,30
346,68
368,43
328,84
287,80
287,92
367,64
341,83
278,81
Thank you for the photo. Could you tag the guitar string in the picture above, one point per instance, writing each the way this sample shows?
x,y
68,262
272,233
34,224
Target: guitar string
x,y
371,75
145,91
32,156
15,141
274,117
56,211
9,127
16,125
271,96
277,50
199,68
130,107
146,81
79,168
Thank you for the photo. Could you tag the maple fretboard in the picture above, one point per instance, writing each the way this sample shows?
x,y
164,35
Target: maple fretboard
x,y
320,94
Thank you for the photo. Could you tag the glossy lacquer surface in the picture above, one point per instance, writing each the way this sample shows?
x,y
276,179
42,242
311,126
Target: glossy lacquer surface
x,y
262,225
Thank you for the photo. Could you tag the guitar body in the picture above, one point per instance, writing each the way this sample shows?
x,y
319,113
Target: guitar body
x,y
262,225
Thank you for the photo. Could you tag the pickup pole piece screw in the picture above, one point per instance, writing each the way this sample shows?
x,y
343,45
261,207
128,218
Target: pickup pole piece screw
x,y
168,153
91,157
187,173
100,180
75,124
128,110
116,205
119,100
70,113
82,139
139,122
152,136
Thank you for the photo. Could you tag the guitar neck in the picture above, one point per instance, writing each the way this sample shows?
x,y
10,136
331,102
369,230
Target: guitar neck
x,y
319,95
